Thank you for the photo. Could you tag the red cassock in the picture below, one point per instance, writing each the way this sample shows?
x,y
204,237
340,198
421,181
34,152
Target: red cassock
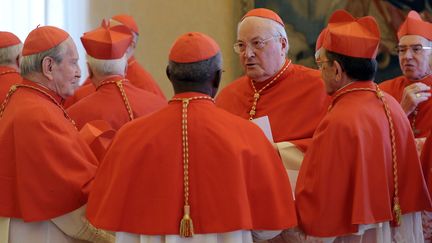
x,y
46,169
107,104
423,119
426,159
8,77
295,103
236,179
346,178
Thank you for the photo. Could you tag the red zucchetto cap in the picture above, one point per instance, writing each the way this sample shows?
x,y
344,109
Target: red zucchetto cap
x,y
352,37
128,21
193,47
8,39
264,13
42,39
107,42
320,39
414,25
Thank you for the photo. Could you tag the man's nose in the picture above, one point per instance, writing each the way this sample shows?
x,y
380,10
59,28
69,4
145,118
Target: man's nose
x,y
78,71
249,51
408,53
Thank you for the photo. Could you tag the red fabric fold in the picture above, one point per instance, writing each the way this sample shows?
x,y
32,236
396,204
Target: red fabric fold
x,y
237,180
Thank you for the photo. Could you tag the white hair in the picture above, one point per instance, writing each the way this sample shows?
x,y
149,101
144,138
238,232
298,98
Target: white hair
x,y
135,37
276,28
33,63
8,55
107,67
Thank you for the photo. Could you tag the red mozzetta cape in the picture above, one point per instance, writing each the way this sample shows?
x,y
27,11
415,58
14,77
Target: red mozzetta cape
x,y
237,181
8,77
45,167
423,119
295,103
346,178
426,159
107,104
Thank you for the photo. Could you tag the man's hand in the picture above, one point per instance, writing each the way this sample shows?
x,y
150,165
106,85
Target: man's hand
x,y
413,95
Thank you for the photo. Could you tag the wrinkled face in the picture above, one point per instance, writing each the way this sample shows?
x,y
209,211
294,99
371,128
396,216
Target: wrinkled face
x,y
327,71
263,53
67,73
413,60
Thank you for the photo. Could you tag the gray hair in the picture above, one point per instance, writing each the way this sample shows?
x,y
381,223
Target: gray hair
x,y
8,55
107,67
33,63
276,29
197,71
135,37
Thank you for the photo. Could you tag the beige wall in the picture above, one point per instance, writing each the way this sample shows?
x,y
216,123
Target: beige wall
x,y
161,22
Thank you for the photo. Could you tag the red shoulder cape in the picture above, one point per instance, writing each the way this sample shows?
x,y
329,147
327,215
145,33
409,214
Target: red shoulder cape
x,y
46,168
237,180
8,77
107,104
295,103
346,178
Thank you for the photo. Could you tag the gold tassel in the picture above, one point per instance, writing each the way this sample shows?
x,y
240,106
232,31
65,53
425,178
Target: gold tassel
x,y
398,213
186,224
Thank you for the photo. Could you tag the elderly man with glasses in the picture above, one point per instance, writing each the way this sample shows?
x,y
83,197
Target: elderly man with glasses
x,y
412,89
291,96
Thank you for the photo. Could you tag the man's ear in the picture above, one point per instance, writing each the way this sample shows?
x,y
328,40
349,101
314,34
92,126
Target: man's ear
x,y
168,73
47,67
217,79
133,45
90,71
216,82
338,70
17,60
285,44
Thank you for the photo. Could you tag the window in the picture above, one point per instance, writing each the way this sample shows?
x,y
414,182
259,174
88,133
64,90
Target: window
x,y
22,16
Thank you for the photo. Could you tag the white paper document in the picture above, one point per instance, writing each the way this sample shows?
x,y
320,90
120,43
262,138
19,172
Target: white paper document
x,y
264,123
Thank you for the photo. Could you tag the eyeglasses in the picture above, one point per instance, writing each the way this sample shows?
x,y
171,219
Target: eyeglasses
x,y
320,63
415,49
240,46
